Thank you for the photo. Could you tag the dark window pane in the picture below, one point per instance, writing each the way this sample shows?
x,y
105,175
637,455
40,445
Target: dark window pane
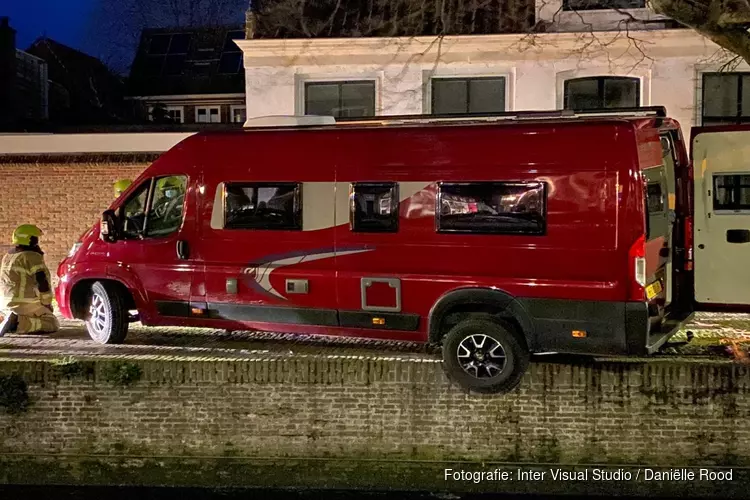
x,y
229,45
180,44
174,65
168,200
346,99
230,63
655,198
159,44
133,211
263,206
357,99
374,208
720,95
731,192
450,96
321,98
745,104
582,94
500,208
602,92
621,93
603,4
486,95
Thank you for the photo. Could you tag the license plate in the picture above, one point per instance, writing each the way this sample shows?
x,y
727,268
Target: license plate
x,y
653,290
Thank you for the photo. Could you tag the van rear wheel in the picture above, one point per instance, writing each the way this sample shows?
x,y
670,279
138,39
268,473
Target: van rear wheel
x,y
485,355
107,321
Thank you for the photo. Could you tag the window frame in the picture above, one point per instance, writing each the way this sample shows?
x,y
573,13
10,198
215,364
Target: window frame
x,y
395,204
339,83
297,207
150,192
208,113
736,187
716,120
235,107
439,199
467,79
601,79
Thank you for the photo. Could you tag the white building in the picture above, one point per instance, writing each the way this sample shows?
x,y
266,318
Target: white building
x,y
584,59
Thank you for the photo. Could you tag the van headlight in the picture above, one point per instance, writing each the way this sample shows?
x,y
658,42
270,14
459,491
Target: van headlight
x,y
74,249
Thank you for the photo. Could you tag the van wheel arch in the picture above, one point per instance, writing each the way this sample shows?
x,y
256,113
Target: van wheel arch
x,y
459,305
81,294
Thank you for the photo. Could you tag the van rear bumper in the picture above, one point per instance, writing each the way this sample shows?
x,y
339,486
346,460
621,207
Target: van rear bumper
x,y
611,328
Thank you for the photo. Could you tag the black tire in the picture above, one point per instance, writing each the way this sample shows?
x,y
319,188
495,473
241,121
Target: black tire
x,y
107,320
481,374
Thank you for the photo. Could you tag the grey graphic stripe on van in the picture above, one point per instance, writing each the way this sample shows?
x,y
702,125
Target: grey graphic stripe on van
x,y
259,274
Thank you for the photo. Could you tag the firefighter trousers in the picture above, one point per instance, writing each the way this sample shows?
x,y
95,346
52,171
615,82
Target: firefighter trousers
x,y
35,318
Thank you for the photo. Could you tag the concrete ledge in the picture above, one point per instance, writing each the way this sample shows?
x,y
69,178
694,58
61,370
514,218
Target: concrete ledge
x,y
193,418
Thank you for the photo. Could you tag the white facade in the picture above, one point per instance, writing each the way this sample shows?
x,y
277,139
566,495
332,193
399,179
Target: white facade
x,y
667,63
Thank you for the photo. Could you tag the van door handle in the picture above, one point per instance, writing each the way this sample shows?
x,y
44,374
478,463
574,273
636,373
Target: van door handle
x,y
183,250
738,236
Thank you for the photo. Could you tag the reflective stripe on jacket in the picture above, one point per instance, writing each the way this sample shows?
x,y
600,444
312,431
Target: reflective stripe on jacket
x,y
20,281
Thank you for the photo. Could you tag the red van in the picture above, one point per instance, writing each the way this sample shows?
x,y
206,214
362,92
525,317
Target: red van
x,y
494,237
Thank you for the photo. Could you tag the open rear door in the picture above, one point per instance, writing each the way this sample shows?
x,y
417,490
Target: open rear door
x,y
721,196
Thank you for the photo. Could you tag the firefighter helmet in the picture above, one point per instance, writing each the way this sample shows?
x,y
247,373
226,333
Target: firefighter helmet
x,y
121,185
24,233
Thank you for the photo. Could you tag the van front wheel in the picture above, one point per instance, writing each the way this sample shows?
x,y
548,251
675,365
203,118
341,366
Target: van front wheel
x,y
107,321
485,355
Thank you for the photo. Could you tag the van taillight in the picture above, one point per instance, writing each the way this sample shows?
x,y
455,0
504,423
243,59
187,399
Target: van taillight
x,y
688,243
637,263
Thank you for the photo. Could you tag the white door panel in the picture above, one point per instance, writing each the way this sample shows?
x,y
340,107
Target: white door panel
x,y
722,268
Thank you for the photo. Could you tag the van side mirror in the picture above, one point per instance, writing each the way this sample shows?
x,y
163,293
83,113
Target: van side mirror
x,y
108,227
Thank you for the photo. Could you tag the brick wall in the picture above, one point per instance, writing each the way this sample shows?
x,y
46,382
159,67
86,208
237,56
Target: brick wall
x,y
63,199
309,407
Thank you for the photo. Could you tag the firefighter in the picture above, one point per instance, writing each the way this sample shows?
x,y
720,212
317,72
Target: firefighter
x,y
25,289
120,186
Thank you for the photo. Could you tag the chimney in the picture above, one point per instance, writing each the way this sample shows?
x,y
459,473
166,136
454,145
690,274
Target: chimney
x,y
7,73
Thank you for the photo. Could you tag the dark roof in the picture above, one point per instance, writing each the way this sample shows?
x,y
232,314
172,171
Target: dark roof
x,y
82,89
178,61
365,18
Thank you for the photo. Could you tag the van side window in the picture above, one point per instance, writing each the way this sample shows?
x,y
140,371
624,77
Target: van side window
x,y
167,205
655,198
731,192
492,207
374,207
263,206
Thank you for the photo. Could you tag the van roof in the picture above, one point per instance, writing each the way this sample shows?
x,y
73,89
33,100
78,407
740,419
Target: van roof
x,y
653,115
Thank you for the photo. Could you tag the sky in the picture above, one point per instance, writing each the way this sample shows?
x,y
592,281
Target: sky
x,y
63,20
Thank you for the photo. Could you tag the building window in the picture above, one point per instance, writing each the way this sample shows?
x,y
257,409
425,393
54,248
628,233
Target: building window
x,y
374,207
726,98
340,99
602,92
731,192
208,114
263,206
603,4
173,114
492,207
468,95
239,114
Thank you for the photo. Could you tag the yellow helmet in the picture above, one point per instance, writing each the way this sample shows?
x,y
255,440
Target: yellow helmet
x,y
23,234
121,185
